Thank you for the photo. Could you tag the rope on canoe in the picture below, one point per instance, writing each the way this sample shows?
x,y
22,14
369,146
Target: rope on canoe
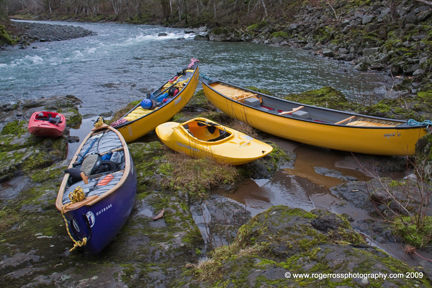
x,y
205,77
412,122
76,195
77,243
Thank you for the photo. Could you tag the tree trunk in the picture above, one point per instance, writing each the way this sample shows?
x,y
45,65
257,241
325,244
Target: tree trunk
x,y
3,11
166,10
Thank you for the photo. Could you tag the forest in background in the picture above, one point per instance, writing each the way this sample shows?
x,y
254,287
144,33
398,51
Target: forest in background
x,y
167,12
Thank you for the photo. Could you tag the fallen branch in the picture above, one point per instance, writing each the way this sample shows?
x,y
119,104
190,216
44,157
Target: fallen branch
x,y
334,11
425,2
410,250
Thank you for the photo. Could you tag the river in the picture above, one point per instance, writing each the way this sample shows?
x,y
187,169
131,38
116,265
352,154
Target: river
x,y
122,62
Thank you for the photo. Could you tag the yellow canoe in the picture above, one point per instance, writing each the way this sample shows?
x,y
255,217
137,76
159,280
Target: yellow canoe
x,y
139,121
200,137
315,125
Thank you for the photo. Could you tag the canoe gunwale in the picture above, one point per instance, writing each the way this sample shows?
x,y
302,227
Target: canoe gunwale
x,y
94,200
208,85
160,108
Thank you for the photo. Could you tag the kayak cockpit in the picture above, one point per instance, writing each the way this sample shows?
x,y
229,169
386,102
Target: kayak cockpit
x,y
206,131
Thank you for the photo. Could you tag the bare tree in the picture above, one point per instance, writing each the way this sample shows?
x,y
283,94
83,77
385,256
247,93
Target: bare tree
x,y
3,11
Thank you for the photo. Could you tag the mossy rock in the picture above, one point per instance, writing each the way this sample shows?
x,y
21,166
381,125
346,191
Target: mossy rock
x,y
327,97
267,166
5,38
199,102
283,240
400,108
22,153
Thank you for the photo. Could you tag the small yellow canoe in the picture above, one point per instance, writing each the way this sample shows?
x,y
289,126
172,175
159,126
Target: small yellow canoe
x,y
200,137
163,104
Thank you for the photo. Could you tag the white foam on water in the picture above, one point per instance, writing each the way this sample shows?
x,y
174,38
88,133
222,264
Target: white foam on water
x,y
91,50
159,36
33,59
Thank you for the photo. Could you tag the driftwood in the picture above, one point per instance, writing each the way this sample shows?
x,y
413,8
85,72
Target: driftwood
x,y
425,2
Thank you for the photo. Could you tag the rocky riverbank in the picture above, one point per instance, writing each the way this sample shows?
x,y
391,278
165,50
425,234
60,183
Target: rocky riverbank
x,y
181,249
389,36
24,33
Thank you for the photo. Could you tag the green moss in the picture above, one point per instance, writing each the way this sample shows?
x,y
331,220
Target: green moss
x,y
264,91
199,100
16,128
415,231
324,97
256,26
425,98
279,34
5,38
49,173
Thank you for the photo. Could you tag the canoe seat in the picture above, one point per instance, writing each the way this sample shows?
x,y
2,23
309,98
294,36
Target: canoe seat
x,y
345,120
368,124
244,96
291,111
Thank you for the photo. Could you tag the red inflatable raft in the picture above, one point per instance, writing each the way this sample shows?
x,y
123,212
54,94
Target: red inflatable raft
x,y
44,123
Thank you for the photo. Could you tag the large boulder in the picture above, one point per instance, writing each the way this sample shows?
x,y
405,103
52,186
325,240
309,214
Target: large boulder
x,y
286,247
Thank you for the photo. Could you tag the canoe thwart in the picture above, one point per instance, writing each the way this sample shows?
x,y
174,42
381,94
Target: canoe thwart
x,y
345,120
291,111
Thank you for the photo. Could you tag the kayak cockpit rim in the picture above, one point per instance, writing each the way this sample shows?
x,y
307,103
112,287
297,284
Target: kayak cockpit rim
x,y
397,125
93,199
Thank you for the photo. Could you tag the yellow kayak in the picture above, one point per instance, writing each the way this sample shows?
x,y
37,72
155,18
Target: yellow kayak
x,y
200,137
159,106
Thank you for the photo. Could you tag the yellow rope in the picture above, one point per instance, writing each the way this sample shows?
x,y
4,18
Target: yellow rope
x,y
77,195
99,122
81,243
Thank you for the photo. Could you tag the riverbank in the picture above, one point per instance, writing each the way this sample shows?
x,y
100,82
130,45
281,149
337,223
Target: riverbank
x,y
25,33
203,238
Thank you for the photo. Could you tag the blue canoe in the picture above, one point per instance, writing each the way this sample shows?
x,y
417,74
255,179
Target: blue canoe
x,y
98,191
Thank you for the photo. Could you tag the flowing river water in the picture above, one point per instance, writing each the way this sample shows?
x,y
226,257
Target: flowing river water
x,y
121,62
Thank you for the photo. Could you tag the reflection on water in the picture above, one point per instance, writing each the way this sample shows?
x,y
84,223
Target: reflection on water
x,y
320,166
306,185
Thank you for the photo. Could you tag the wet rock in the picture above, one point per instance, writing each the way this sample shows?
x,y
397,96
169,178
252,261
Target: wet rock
x,y
419,72
367,19
327,53
254,258
219,218
21,152
377,230
29,32
73,139
333,173
12,189
355,192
